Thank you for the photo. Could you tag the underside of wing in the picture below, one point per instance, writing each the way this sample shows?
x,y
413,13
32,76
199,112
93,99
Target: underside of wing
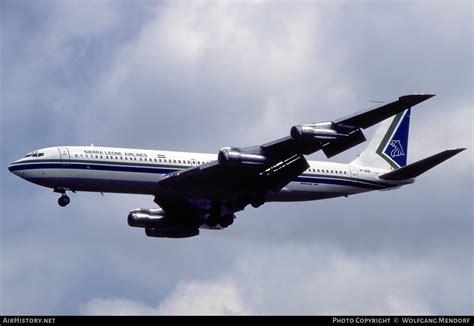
x,y
235,184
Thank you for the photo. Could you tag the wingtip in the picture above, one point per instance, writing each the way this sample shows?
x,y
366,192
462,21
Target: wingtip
x,y
414,99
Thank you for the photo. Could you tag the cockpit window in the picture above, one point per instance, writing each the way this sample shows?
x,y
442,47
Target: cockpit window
x,y
34,154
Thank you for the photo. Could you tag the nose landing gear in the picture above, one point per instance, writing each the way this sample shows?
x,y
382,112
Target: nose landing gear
x,y
64,200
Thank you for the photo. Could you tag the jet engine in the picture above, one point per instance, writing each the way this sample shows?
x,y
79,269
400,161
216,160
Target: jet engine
x,y
234,157
142,218
323,131
158,224
172,232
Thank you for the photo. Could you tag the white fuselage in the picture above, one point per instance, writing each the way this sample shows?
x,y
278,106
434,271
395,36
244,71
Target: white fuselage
x,y
137,171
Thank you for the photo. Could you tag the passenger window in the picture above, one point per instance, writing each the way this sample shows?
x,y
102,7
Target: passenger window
x,y
155,159
179,161
174,161
75,155
140,159
159,160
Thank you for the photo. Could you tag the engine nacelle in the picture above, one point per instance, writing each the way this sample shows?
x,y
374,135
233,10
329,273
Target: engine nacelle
x,y
232,156
143,218
177,231
323,131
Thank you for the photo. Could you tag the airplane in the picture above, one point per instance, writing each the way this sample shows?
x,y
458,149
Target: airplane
x,y
204,191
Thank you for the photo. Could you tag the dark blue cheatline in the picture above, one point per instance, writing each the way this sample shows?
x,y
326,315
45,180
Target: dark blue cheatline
x,y
343,181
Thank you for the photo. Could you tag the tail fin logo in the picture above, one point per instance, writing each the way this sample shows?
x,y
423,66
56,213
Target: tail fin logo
x,y
397,149
394,146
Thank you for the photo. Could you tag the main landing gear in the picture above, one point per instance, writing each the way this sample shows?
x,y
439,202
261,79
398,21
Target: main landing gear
x,y
223,221
257,201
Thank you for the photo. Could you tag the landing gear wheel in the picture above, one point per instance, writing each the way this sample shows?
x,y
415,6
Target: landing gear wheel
x,y
257,202
212,221
63,200
226,220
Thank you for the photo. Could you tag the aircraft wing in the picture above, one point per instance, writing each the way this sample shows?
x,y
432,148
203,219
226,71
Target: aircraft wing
x,y
243,176
369,117
233,185
346,131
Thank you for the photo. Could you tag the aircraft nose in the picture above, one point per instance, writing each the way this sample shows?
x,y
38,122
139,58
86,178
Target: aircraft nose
x,y
12,169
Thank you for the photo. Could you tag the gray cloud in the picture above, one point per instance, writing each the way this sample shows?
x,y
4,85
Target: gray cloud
x,y
202,76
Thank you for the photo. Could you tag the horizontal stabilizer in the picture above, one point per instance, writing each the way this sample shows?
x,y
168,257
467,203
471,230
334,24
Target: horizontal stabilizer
x,y
415,169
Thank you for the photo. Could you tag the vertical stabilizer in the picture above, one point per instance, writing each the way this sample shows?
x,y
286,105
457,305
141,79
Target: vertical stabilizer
x,y
388,148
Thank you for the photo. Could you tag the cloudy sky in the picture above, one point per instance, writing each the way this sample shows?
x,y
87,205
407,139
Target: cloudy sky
x,y
201,76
